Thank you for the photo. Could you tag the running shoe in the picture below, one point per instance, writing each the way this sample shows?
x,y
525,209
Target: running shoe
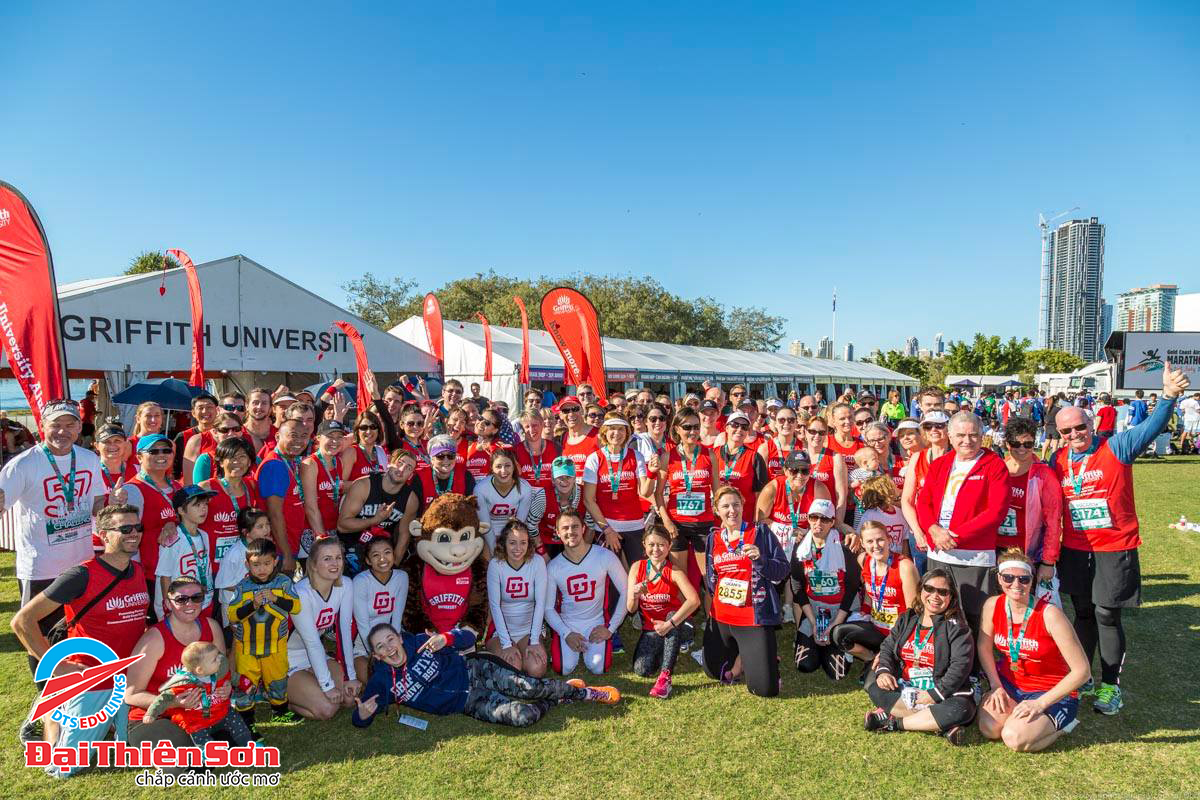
x,y
878,720
1108,699
662,686
617,647
608,695
1088,688
698,657
956,736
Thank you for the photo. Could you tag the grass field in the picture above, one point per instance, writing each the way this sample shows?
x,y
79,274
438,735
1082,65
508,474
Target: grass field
x,y
711,741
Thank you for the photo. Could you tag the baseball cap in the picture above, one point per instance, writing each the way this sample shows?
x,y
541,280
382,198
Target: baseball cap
x,y
331,426
709,405
441,444
906,424
864,395
284,398
736,416
774,402
106,432
567,401
60,408
936,417
189,493
823,507
561,466
149,440
747,403
797,459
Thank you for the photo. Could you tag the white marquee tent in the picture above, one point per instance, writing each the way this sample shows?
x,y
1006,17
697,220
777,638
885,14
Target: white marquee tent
x,y
673,368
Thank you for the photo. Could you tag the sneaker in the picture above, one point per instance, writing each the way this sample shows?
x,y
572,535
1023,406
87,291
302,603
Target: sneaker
x,y
608,695
1088,688
1108,699
877,720
698,657
956,736
32,731
617,647
662,686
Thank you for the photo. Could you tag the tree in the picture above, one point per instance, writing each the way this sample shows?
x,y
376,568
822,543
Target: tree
x,y
986,355
149,261
905,365
1052,361
629,307
384,304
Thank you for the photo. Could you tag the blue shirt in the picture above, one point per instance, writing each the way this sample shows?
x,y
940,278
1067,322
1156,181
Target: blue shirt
x,y
436,683
1132,442
1137,412
274,479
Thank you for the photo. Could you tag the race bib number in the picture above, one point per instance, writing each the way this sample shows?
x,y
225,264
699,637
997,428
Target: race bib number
x,y
223,544
733,591
68,528
822,584
921,678
885,616
1088,515
689,504
1009,526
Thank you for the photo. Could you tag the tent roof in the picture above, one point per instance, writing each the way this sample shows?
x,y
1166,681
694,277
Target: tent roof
x,y
629,354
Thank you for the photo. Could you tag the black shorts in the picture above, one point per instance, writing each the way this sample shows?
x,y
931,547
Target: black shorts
x,y
695,535
1111,579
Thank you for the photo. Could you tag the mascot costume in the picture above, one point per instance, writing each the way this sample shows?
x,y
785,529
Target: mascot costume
x,y
447,585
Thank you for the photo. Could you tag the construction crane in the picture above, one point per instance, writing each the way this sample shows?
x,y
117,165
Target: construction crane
x,y
1044,324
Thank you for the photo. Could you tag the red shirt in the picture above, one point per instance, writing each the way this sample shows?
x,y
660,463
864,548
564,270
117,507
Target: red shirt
x,y
1106,419
535,469
1100,515
330,490
293,501
661,597
625,505
1040,664
883,595
170,662
912,658
118,620
692,510
845,451
776,456
221,523
822,472
128,472
479,457
546,527
580,450
980,506
788,504
1012,530
156,513
444,597
365,462
729,565
737,470
429,485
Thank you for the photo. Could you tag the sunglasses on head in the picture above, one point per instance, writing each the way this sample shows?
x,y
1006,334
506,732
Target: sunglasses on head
x,y
1007,578
180,599
158,451
1074,429
939,591
129,528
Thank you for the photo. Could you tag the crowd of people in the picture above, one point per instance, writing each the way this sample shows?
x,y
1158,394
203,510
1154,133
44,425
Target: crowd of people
x,y
264,555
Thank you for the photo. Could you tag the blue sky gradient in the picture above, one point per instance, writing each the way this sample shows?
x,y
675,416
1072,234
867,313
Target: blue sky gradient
x,y
759,156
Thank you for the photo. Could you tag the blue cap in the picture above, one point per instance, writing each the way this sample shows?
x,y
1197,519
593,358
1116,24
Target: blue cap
x,y
149,440
561,466
189,493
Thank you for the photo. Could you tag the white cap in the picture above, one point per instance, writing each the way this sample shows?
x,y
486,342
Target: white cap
x,y
823,507
737,416
937,417
906,424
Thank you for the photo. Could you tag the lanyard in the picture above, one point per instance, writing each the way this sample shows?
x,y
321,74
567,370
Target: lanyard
x,y
614,473
417,449
793,510
201,561
879,593
1077,478
334,481
730,461
442,488
782,455
110,478
372,460
537,465
67,487
688,467
399,692
293,471
919,645
657,575
1014,639
145,478
741,540
236,506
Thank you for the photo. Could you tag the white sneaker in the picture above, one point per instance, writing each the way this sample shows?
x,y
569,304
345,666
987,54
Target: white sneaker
x,y
698,655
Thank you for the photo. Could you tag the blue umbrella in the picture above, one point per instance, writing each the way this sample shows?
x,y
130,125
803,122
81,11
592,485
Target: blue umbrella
x,y
317,390
170,393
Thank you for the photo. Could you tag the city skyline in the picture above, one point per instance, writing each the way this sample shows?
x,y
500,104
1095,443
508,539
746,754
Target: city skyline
x,y
1072,289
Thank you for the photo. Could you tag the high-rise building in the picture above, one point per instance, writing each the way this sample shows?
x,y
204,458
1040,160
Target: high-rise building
x,y
1071,314
848,352
798,348
1106,322
911,346
939,346
825,347
874,355
1151,308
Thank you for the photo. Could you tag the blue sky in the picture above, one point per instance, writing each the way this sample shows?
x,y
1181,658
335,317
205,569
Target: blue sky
x,y
759,156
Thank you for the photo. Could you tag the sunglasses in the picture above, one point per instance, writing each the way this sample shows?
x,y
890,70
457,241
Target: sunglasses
x,y
1074,429
158,451
690,427
800,471
570,409
595,415
819,518
180,599
233,408
1007,578
445,456
933,426
368,427
413,423
861,421
659,418
808,408
640,417
128,529
820,432
939,591
1020,445
738,426
234,429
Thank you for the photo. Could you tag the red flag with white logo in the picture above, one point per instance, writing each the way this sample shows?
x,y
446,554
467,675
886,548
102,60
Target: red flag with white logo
x,y
29,323
431,312
360,362
487,347
524,341
570,319
197,300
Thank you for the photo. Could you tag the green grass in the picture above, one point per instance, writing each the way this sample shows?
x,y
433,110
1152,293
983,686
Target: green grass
x,y
710,741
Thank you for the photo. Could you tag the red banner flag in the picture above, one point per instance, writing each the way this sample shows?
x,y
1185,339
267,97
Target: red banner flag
x,y
360,363
432,314
197,301
29,304
487,347
524,341
570,319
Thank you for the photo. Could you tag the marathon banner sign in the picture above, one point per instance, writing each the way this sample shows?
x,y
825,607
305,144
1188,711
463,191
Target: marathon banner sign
x,y
29,303
570,319
1147,354
431,313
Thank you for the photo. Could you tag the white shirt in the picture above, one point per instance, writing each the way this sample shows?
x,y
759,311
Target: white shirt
x,y
319,618
50,537
517,599
583,591
897,528
1190,407
961,557
376,602
186,555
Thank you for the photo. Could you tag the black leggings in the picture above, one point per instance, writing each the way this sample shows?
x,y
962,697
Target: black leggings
x,y
831,657
756,645
631,546
655,653
862,633
957,709
1100,624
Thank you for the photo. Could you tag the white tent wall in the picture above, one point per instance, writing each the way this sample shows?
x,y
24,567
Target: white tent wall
x,y
464,361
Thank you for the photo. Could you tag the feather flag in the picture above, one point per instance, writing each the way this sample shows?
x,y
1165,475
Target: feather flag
x,y
524,341
487,347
